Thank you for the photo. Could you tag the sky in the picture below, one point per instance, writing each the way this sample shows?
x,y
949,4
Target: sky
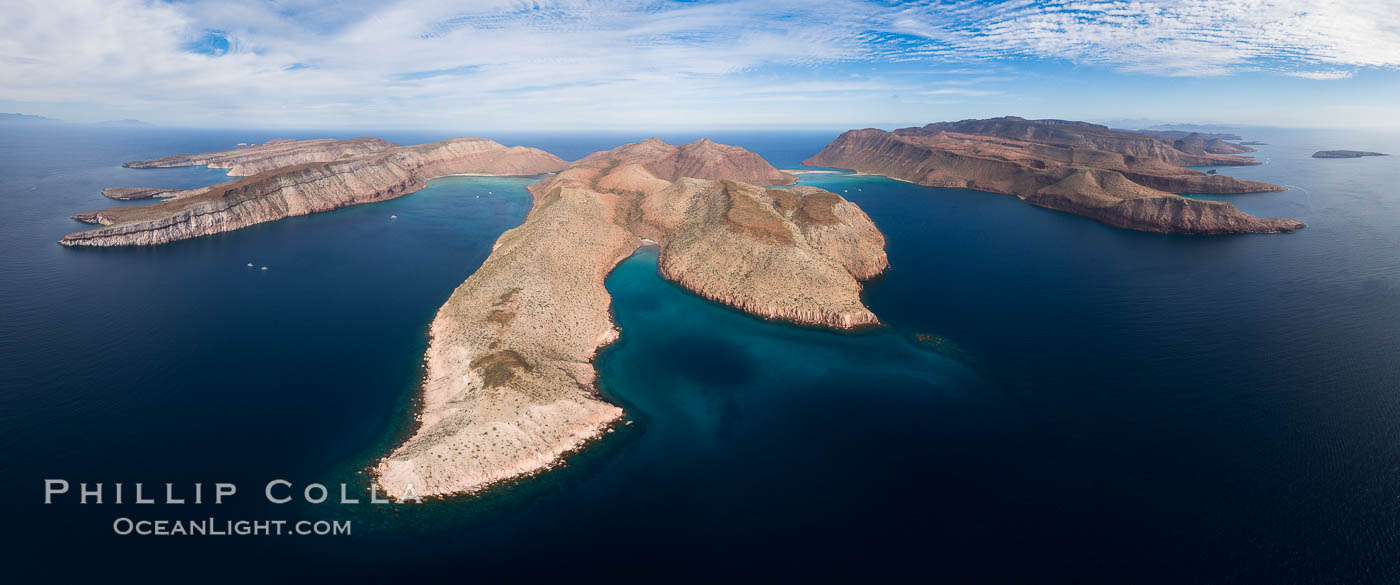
x,y
484,64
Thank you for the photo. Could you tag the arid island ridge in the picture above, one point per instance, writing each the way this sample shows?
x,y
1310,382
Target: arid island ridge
x,y
510,384
1124,179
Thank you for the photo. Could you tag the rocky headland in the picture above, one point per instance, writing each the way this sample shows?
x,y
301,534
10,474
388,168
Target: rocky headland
x,y
301,187
1124,179
1345,154
510,383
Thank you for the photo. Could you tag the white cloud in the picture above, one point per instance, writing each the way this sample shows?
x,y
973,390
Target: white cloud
x,y
1320,75
433,64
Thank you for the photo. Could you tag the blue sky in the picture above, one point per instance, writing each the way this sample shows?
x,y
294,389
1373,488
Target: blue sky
x,y
494,65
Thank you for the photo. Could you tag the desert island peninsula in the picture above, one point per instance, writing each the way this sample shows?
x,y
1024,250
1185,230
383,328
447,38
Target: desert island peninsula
x,y
510,385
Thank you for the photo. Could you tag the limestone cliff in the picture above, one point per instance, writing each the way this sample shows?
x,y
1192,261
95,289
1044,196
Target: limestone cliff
x,y
1123,179
275,154
510,386
305,188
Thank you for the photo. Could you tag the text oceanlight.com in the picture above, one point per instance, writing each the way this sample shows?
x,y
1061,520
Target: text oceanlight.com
x,y
214,527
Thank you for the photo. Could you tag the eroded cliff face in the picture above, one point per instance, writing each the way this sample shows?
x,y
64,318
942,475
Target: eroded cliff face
x,y
275,154
510,385
1123,179
306,188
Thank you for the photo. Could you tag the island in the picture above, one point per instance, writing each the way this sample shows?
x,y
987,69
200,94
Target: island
x,y
271,155
1200,142
1345,154
316,176
135,193
510,384
1124,179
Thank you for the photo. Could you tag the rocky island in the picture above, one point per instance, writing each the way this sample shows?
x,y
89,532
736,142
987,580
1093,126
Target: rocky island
x,y
1200,142
1124,179
274,154
1345,154
306,185
136,193
510,384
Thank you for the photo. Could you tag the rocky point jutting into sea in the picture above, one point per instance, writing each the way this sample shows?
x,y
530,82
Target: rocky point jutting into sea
x,y
511,385
1124,179
320,175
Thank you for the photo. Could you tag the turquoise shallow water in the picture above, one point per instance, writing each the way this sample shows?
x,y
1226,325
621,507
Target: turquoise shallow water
x,y
1121,406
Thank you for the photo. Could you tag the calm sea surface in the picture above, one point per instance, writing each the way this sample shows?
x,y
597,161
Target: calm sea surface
x,y
1106,405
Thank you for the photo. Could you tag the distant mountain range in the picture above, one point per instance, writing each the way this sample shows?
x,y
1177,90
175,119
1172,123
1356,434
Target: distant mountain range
x,y
27,119
1138,124
30,119
127,123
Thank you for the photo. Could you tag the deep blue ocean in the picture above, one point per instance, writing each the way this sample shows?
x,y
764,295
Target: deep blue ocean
x,y
1106,406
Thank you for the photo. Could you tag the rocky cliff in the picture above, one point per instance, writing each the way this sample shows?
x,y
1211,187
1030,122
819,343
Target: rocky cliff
x,y
1120,178
510,384
275,154
305,188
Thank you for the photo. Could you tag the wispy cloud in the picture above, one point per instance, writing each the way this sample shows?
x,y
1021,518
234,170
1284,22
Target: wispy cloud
x,y
1164,37
1320,75
962,91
